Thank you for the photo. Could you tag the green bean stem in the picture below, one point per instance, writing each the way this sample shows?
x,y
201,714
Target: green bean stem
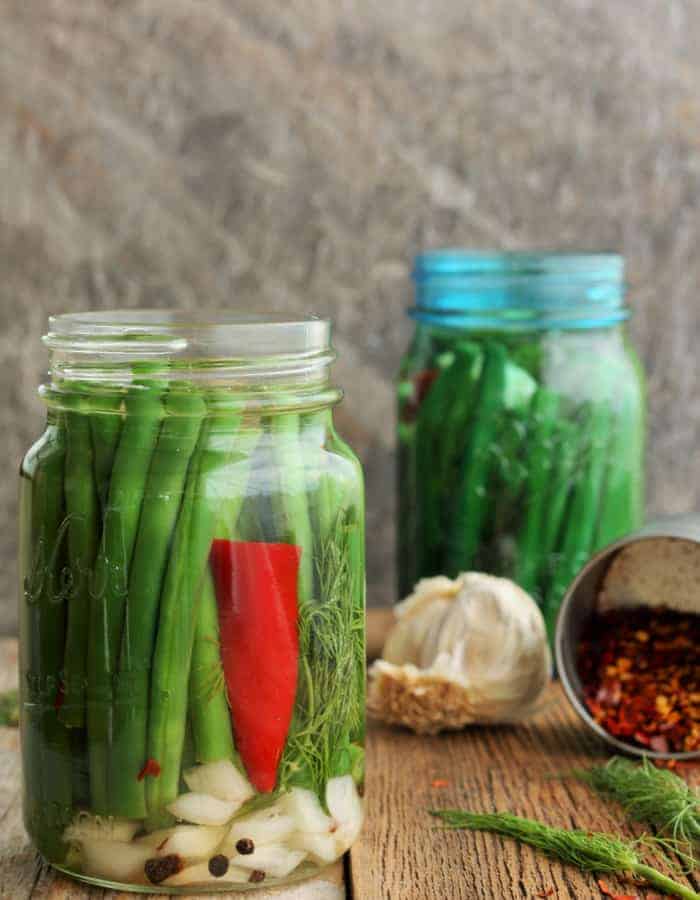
x,y
105,425
144,411
293,509
45,740
582,522
622,507
469,509
540,463
177,619
162,498
82,507
209,713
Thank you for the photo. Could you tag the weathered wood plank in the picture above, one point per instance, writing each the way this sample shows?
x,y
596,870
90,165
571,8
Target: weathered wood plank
x,y
402,854
23,875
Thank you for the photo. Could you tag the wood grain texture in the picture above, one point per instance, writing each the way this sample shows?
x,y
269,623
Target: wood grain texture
x,y
293,154
402,853
23,875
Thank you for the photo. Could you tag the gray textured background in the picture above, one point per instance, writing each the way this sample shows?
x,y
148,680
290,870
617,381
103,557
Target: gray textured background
x,y
247,154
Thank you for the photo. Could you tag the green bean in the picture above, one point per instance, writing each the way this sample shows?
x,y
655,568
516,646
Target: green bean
x,y
45,740
462,387
162,498
82,507
454,385
582,522
407,512
566,456
144,411
177,619
323,487
105,425
623,500
209,713
292,504
469,508
540,462
507,474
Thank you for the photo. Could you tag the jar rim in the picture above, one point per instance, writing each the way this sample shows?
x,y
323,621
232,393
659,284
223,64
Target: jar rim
x,y
455,261
519,290
285,357
189,335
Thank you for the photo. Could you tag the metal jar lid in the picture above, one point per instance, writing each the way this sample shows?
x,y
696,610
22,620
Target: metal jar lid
x,y
580,604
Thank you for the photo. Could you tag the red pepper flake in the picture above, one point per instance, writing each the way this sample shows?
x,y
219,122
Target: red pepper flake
x,y
439,783
60,696
606,891
422,382
548,893
640,672
152,767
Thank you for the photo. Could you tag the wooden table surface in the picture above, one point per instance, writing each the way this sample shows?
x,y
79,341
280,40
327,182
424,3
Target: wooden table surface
x,y
401,854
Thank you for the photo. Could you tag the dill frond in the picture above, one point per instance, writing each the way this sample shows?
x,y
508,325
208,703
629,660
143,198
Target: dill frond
x,y
591,852
329,711
650,795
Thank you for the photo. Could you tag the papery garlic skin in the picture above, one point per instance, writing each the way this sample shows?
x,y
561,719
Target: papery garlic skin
x,y
464,651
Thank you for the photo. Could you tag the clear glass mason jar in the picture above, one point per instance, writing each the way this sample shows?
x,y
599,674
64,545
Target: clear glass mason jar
x,y
521,419
192,605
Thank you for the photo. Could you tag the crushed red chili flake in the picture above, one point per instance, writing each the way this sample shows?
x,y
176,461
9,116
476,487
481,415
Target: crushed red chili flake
x,y
60,696
606,891
640,672
544,894
422,382
151,767
439,783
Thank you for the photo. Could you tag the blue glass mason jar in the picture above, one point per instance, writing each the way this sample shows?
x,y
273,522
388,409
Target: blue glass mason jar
x,y
521,422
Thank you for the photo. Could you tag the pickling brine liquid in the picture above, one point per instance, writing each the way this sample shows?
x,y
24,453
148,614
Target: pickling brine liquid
x,y
192,638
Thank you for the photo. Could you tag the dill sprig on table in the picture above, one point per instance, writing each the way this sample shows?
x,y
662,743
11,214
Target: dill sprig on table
x,y
591,852
648,794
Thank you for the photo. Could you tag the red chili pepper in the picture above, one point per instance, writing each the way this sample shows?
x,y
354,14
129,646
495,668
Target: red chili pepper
x,y
256,590
151,767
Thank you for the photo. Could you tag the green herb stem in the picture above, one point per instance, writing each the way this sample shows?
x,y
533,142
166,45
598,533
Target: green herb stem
x,y
590,852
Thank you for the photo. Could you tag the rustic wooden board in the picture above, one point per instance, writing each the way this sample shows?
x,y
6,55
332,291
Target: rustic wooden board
x,y
23,875
403,855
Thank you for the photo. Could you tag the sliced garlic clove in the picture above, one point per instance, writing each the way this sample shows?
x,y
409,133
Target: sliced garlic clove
x,y
202,809
221,780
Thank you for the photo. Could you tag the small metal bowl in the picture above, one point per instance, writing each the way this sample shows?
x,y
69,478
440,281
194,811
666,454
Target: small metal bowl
x,y
580,604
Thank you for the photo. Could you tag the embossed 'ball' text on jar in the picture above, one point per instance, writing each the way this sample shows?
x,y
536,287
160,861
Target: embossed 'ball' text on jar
x,y
192,605
521,419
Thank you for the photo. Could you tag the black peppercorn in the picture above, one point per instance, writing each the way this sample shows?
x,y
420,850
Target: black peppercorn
x,y
160,868
245,846
218,865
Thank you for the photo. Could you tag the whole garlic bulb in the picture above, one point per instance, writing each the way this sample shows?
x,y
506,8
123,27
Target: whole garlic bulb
x,y
461,652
